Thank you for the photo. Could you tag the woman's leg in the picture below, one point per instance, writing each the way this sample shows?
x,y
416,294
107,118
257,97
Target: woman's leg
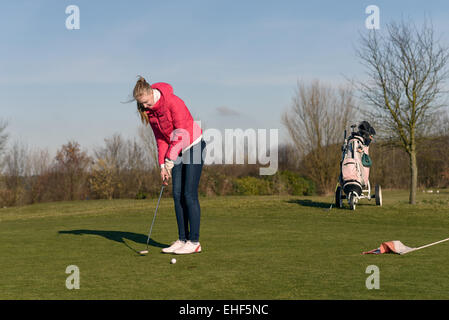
x,y
191,180
178,173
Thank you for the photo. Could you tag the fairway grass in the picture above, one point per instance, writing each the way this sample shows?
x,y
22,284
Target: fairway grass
x,y
266,247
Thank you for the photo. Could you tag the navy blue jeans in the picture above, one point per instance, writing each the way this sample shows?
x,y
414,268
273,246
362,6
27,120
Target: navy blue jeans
x,y
186,176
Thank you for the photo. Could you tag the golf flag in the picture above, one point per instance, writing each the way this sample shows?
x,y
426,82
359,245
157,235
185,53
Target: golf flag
x,y
395,246
398,247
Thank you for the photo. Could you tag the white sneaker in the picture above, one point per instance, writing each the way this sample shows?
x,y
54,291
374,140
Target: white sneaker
x,y
189,247
175,245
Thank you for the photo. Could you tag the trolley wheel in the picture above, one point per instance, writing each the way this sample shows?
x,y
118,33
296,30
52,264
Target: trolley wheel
x,y
338,198
378,194
352,201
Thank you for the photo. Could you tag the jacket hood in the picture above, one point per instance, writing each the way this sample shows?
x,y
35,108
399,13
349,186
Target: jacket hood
x,y
166,91
163,87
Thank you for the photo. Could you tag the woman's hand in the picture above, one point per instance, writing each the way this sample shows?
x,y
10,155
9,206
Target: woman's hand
x,y
165,176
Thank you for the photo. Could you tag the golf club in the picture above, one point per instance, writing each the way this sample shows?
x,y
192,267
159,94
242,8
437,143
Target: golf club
x,y
143,252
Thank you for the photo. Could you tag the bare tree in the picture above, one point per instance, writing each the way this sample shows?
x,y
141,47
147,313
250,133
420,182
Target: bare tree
x,y
136,167
40,162
125,163
113,152
288,159
135,156
102,179
146,136
16,169
3,138
73,163
406,69
40,172
316,120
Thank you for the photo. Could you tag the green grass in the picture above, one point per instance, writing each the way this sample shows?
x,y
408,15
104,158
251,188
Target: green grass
x,y
266,247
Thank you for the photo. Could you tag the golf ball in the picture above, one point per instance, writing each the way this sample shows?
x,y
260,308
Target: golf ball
x,y
173,261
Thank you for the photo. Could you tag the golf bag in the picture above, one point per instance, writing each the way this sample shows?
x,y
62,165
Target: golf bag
x,y
354,174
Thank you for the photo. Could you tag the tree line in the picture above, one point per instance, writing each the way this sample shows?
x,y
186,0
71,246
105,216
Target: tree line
x,y
124,168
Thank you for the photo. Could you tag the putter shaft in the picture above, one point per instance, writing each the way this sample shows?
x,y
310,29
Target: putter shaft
x,y
154,217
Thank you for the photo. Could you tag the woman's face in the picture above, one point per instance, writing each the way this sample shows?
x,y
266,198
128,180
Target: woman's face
x,y
146,100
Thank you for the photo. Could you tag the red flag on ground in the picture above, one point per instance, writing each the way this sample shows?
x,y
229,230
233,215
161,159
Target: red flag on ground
x,y
398,247
395,246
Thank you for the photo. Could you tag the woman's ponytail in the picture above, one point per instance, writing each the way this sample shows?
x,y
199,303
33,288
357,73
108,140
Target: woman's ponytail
x,y
142,87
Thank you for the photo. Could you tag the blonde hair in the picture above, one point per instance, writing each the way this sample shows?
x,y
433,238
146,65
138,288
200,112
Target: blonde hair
x,y
142,87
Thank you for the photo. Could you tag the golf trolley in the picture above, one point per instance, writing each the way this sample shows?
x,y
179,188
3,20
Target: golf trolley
x,y
355,165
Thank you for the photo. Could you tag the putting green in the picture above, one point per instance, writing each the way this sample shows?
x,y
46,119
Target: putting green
x,y
268,247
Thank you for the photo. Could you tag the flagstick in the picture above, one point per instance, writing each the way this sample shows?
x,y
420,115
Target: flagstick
x,y
427,245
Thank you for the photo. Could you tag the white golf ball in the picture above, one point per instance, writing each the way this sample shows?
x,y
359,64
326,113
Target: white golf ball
x,y
173,261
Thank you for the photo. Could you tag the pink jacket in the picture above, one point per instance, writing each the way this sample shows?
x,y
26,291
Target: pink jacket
x,y
172,123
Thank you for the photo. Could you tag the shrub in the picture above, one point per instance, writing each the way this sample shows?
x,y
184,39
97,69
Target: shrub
x,y
215,183
295,184
141,195
283,182
291,183
251,186
7,198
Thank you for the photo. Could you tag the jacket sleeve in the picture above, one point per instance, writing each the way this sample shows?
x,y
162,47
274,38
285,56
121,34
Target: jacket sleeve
x,y
162,146
180,137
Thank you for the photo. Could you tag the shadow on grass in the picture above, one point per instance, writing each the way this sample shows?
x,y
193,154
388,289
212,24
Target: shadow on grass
x,y
310,203
118,236
324,205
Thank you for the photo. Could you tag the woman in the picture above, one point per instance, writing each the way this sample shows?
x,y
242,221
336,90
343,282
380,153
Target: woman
x,y
180,147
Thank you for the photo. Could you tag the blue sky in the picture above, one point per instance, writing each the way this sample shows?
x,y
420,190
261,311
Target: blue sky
x,y
244,56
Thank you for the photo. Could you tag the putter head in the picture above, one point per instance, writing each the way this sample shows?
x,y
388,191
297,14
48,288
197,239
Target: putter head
x,y
143,252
